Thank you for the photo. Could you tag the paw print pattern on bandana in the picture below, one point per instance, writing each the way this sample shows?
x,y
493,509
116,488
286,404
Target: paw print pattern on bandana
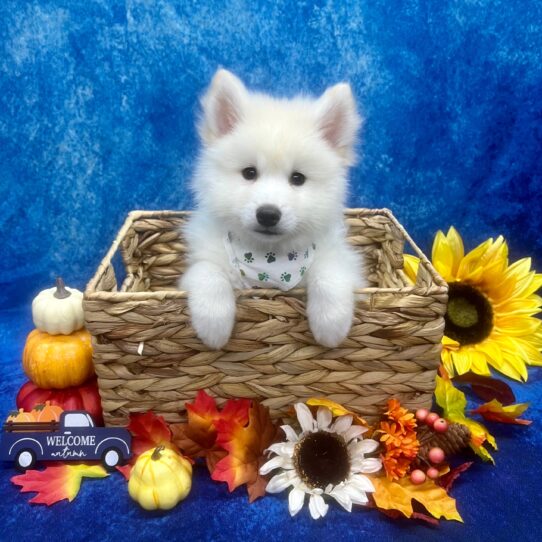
x,y
267,266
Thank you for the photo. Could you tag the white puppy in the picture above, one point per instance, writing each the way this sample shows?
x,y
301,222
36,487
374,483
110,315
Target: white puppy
x,y
270,187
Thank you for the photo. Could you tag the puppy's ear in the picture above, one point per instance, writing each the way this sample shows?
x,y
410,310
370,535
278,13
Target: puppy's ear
x,y
222,105
338,119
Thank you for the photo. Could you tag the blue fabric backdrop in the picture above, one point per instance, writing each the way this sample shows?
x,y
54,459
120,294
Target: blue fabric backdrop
x,y
97,101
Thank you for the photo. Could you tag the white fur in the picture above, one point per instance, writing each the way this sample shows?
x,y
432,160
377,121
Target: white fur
x,y
242,129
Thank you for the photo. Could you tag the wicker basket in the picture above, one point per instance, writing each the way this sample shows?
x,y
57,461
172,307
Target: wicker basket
x,y
147,355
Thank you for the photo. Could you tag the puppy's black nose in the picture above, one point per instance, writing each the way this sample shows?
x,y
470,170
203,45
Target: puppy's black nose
x,y
268,215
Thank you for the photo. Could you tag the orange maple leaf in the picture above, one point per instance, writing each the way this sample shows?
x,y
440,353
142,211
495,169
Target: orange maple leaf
x,y
197,437
494,411
57,482
398,495
245,445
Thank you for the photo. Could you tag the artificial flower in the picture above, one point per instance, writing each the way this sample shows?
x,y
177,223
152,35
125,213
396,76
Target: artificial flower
x,y
492,307
327,459
398,435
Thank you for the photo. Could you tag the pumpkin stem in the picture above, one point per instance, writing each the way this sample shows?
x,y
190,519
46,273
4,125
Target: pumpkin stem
x,y
157,453
61,292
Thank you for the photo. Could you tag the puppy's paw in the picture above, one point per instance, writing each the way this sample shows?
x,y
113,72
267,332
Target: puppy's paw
x,y
213,318
329,322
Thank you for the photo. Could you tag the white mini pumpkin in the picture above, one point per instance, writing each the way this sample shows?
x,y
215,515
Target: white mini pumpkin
x,y
58,310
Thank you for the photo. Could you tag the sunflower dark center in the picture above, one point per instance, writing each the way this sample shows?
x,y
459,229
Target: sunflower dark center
x,y
469,316
321,458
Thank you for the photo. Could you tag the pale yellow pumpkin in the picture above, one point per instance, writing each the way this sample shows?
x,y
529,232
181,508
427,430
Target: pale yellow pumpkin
x,y
160,479
21,416
58,361
58,310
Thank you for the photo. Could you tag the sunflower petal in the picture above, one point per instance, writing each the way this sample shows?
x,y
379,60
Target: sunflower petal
x,y
285,449
410,266
291,435
317,506
362,483
456,246
296,499
304,416
280,482
462,361
470,268
354,432
341,496
443,257
342,424
323,417
276,463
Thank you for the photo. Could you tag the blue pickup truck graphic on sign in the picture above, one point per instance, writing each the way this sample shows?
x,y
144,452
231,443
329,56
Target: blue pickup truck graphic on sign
x,y
73,438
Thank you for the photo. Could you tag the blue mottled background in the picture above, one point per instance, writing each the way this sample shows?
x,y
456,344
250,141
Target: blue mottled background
x,y
97,101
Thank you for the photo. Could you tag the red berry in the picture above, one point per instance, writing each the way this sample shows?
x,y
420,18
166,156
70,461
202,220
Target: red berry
x,y
436,455
417,477
440,425
431,418
432,473
421,414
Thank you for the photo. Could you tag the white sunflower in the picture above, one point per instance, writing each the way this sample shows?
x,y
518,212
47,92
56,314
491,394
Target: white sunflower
x,y
325,459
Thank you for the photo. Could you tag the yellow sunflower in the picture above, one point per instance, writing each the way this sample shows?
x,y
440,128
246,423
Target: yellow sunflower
x,y
490,319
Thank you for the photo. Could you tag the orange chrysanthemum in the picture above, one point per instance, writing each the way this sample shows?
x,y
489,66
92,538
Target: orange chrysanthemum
x,y
398,435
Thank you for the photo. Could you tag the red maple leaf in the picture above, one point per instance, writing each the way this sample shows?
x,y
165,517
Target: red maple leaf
x,y
197,437
245,445
494,411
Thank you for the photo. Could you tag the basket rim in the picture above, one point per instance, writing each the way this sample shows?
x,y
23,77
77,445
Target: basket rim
x,y
91,292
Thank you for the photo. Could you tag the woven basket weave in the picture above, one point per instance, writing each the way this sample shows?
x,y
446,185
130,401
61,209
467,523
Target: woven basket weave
x,y
147,356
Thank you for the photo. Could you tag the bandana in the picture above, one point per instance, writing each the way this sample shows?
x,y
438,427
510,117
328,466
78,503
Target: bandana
x,y
274,268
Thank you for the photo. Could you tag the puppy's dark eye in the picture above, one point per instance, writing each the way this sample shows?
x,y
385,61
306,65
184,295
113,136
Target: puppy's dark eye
x,y
297,179
250,173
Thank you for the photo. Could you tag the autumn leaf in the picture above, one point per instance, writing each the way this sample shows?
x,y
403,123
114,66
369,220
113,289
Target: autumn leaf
x,y
496,412
197,437
453,402
447,479
398,495
336,409
245,445
56,482
488,388
148,431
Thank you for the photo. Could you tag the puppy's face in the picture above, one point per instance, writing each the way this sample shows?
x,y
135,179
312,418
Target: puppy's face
x,y
274,169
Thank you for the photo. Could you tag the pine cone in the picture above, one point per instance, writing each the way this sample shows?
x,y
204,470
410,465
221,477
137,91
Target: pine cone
x,y
454,440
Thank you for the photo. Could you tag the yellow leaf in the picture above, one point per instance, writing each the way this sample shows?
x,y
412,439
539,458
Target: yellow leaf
x,y
398,495
453,403
336,409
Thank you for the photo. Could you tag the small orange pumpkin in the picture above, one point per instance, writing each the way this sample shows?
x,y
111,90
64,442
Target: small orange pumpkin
x,y
58,361
47,412
21,416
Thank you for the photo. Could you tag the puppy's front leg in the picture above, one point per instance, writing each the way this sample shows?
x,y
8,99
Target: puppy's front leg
x,y
331,281
211,301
